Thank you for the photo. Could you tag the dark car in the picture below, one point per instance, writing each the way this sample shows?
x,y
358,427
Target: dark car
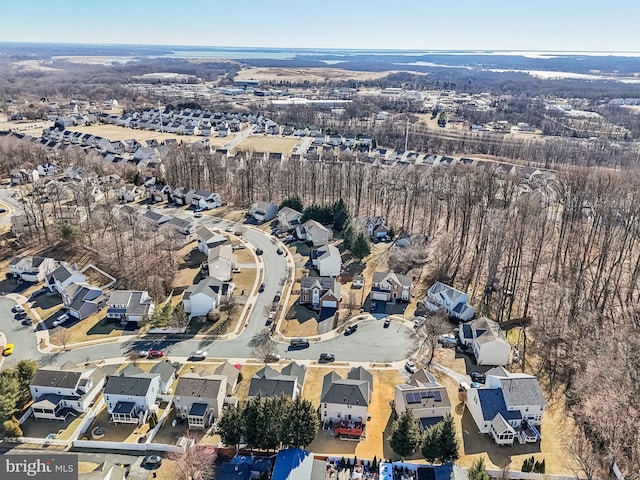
x,y
298,343
17,309
279,251
3,210
152,461
387,322
261,289
351,330
277,298
479,377
326,358
27,321
20,315
259,251
156,354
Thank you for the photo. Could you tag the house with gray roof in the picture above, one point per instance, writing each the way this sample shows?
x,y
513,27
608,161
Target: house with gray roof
x,y
509,407
425,397
263,211
487,340
104,471
208,239
314,232
232,375
268,382
200,399
155,218
168,372
32,269
205,296
83,300
288,218
62,277
391,287
130,398
444,297
320,292
64,391
344,402
130,305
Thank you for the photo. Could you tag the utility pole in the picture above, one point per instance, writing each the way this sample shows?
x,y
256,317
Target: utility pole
x,y
406,136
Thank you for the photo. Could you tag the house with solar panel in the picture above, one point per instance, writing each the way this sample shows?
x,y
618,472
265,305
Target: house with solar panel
x,y
509,407
427,399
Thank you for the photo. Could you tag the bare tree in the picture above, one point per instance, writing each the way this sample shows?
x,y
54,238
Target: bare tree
x,y
228,305
581,457
196,463
262,344
63,336
427,336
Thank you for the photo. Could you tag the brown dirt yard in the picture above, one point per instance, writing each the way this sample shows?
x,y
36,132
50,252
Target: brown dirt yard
x,y
116,132
313,75
267,144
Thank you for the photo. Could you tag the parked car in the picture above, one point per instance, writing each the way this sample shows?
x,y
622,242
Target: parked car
x,y
61,319
259,251
277,297
155,354
27,321
279,251
351,329
418,321
410,367
37,293
198,355
326,358
479,377
229,229
261,289
272,357
3,210
8,349
197,215
448,340
17,309
387,322
239,247
299,343
20,315
142,353
152,461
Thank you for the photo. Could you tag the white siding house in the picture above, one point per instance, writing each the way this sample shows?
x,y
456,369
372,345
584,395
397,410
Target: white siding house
x,y
129,398
199,399
487,340
327,260
454,302
32,269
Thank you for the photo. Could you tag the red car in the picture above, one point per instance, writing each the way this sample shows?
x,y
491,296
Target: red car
x,y
156,354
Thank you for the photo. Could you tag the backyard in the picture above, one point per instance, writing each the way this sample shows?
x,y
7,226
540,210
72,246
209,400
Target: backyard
x,y
267,144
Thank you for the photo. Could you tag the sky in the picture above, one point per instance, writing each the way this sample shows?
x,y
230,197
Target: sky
x,y
558,25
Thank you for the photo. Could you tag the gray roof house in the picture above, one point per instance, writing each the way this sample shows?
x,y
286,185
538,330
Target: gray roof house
x,y
129,305
263,211
344,402
231,373
83,300
199,399
130,398
268,382
168,372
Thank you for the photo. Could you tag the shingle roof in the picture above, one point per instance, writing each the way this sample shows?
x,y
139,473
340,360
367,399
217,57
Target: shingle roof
x,y
209,286
165,369
270,383
344,391
492,403
403,280
192,385
136,386
521,391
56,378
359,373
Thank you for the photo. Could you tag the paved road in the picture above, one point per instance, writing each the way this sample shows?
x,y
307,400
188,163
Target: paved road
x,y
16,333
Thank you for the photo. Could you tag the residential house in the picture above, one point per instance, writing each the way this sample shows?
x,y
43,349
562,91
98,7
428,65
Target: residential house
x,y
129,193
130,305
60,392
130,398
326,260
208,239
487,340
427,399
21,176
375,227
452,301
391,287
183,195
199,399
403,240
205,200
320,292
222,261
159,193
314,232
167,372
268,382
62,277
509,407
82,300
288,218
47,169
263,211
32,269
155,218
184,227
231,373
205,296
344,403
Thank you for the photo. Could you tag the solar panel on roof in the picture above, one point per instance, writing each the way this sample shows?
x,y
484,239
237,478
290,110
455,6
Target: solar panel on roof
x,y
436,396
413,398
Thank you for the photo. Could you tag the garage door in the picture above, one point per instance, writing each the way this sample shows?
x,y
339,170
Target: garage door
x,y
379,296
328,304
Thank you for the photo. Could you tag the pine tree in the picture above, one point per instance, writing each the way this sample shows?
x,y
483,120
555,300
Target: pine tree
x,y
361,247
301,423
431,444
448,441
405,435
478,470
10,388
231,426
251,419
292,202
340,215
348,234
25,370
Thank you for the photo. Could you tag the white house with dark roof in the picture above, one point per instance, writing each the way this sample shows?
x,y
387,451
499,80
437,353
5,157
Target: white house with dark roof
x,y
326,260
314,232
263,211
231,373
60,392
391,287
186,228
288,218
222,261
200,398
32,269
487,340
129,193
425,397
452,301
82,300
375,227
129,398
130,305
205,296
509,407
183,195
320,292
167,372
268,382
62,277
205,200
155,218
208,239
344,402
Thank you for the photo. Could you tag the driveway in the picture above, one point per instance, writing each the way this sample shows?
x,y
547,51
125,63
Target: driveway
x,y
22,336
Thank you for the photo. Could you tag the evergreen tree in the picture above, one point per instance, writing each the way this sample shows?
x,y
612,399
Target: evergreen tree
x,y
25,370
361,247
10,388
320,213
292,202
231,425
301,423
448,441
431,444
405,435
348,234
340,215
251,421
478,470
